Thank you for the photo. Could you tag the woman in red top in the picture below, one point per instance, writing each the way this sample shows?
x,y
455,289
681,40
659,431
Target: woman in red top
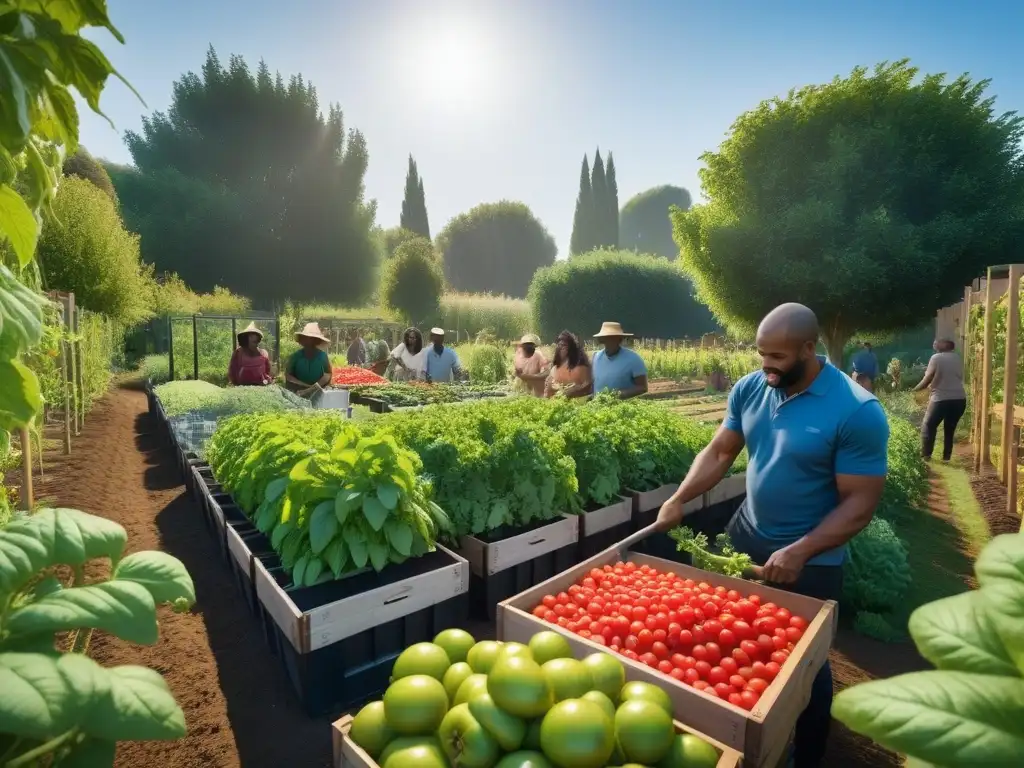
x,y
250,365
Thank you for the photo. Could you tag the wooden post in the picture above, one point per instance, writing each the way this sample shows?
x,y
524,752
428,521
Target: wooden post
x,y
76,318
1011,476
984,454
170,349
195,349
1010,369
27,494
965,324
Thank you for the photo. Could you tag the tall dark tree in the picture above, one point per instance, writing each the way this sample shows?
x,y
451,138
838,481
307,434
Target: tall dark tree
x,y
580,242
612,203
290,220
414,205
599,216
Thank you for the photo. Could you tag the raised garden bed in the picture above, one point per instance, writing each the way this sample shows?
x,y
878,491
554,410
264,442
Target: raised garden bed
x,y
761,734
603,527
508,560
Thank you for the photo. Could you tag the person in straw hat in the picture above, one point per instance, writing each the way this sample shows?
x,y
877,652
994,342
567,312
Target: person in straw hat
x,y
441,364
531,367
250,365
617,368
309,368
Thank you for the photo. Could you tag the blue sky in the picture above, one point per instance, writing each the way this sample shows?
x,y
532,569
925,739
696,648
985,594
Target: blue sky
x,y
502,99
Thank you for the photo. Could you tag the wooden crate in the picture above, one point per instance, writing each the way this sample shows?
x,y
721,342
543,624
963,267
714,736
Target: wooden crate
x,y
762,734
611,516
488,558
348,754
645,501
731,487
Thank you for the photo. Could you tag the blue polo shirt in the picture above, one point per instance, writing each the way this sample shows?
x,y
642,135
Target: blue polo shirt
x,y
797,446
865,362
440,367
618,371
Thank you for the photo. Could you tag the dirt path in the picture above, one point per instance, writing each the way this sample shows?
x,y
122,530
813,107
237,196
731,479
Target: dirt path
x,y
238,705
237,702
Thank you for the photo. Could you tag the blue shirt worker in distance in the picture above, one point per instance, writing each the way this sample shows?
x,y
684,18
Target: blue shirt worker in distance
x,y
617,368
865,367
440,363
817,444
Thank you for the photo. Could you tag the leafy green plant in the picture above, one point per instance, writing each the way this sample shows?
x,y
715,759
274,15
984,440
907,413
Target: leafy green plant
x,y
876,573
970,710
726,561
63,707
411,281
182,397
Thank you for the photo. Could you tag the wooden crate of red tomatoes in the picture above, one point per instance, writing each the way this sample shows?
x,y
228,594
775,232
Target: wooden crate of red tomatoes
x,y
736,657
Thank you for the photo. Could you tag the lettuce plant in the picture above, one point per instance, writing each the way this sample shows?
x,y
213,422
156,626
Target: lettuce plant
x,y
56,704
969,710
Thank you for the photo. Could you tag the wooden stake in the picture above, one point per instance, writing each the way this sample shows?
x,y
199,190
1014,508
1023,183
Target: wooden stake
x,y
65,385
984,454
27,494
1011,477
1010,370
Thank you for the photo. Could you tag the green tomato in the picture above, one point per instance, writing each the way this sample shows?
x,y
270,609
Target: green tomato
x,y
602,701
689,751
421,659
518,685
513,649
646,692
456,675
415,752
465,741
644,731
481,657
415,705
568,678
370,729
577,734
548,645
472,686
608,673
525,759
508,730
456,643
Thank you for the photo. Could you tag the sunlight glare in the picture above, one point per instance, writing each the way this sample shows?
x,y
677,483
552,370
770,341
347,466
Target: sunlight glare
x,y
454,66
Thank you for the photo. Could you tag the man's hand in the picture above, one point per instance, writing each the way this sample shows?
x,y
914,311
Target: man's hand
x,y
785,566
670,515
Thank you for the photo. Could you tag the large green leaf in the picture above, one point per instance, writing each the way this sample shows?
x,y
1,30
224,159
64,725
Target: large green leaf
x,y
323,526
314,568
388,493
43,696
400,536
163,576
336,556
378,553
137,707
123,608
16,220
275,489
345,503
22,555
957,633
74,537
946,718
20,398
1000,571
375,512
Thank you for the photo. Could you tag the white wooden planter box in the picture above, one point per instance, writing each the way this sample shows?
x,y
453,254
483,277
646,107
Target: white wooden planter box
x,y
487,558
602,519
730,488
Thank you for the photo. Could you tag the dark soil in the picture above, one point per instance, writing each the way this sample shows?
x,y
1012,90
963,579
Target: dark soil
x,y
238,704
991,495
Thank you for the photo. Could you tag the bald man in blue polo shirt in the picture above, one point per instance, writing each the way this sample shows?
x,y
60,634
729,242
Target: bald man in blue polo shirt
x,y
817,443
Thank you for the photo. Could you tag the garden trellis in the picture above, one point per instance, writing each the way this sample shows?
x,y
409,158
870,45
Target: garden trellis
x,y
202,345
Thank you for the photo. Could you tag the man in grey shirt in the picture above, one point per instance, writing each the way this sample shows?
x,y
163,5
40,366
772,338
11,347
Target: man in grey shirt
x,y
948,400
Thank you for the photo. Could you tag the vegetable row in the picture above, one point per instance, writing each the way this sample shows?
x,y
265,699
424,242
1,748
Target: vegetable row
x,y
180,398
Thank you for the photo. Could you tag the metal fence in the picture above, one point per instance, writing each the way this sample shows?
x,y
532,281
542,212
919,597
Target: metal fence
x,y
200,346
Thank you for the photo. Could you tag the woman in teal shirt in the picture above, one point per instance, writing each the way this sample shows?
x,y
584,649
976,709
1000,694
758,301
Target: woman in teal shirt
x,y
309,366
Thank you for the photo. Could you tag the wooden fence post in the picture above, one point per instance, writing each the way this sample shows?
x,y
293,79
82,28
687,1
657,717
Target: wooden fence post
x,y
27,495
79,371
1010,370
1011,477
986,376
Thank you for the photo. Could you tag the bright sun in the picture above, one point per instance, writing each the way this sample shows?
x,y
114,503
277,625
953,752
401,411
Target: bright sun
x,y
453,67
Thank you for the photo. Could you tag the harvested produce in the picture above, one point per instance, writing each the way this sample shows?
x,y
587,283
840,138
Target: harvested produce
x,y
719,641
728,562
354,376
410,394
506,713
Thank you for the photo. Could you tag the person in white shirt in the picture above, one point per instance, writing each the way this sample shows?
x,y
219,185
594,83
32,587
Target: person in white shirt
x,y
409,356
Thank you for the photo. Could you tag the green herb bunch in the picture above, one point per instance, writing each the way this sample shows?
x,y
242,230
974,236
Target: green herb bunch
x,y
726,561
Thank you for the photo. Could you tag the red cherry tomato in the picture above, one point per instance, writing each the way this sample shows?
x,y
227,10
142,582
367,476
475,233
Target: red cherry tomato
x,y
757,685
779,657
750,699
703,669
691,676
724,690
717,675
793,634
799,622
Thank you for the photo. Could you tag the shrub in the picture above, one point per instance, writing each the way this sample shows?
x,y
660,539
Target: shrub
x,y
411,282
495,247
470,313
395,237
486,363
86,249
85,166
173,297
649,296
644,223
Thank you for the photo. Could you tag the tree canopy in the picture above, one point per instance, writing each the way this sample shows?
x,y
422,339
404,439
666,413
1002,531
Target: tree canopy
x,y
495,248
414,205
411,282
644,223
86,249
872,199
394,237
595,222
245,182
648,295
85,166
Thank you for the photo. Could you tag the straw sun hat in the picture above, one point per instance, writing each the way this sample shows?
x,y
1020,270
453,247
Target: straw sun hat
x,y
312,331
611,329
530,338
251,328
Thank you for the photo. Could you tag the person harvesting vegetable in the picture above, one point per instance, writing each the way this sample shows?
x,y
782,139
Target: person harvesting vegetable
x,y
309,367
440,363
570,369
531,367
250,365
817,444
618,368
409,356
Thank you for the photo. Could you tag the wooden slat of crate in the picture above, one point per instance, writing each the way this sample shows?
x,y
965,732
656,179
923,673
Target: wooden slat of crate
x,y
326,624
486,558
730,487
762,734
240,553
645,501
602,519
348,754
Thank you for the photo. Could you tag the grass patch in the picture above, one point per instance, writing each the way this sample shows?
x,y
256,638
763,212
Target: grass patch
x,y
964,507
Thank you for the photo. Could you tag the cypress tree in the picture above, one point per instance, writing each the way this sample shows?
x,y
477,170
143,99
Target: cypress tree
x,y
599,215
581,221
612,211
414,206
